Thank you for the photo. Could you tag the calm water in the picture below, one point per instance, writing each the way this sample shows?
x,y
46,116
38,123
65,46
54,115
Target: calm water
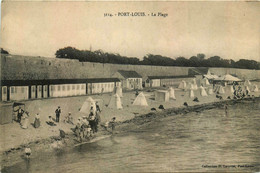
x,y
189,142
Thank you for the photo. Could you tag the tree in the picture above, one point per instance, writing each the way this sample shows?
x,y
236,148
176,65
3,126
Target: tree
x,y
4,51
201,56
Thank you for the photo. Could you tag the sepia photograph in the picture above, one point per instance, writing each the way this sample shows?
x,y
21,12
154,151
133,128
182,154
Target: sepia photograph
x,y
129,86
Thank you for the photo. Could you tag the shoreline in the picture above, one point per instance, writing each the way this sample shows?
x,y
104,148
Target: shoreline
x,y
13,155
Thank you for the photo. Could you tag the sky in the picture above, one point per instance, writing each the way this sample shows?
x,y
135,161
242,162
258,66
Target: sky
x,y
230,30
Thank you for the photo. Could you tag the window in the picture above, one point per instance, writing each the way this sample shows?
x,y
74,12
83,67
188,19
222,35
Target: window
x,y
45,88
40,88
12,89
77,87
63,88
68,87
73,87
22,89
4,90
58,88
53,88
33,89
82,86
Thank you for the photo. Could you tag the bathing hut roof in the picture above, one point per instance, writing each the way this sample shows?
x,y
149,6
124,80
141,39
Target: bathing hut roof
x,y
129,74
228,77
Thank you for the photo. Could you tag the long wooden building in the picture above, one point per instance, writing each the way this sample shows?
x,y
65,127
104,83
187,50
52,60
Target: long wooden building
x,y
13,90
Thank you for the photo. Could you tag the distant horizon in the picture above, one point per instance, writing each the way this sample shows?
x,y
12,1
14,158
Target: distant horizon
x,y
206,57
229,30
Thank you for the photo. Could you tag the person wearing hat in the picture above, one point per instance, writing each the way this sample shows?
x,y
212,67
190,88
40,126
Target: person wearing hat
x,y
92,121
20,112
58,112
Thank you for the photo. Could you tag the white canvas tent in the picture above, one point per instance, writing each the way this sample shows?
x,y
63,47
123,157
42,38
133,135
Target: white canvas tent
x,y
161,96
119,91
172,93
191,93
247,83
220,89
85,108
210,76
205,82
195,86
115,102
247,88
210,92
140,100
203,92
190,86
182,85
255,89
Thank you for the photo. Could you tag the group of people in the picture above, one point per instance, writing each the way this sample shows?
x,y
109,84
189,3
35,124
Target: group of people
x,y
23,118
86,126
239,92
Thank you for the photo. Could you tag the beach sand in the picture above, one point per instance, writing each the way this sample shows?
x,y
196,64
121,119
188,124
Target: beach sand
x,y
13,138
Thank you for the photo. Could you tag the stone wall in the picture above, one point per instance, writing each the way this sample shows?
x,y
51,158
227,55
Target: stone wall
x,y
15,67
33,68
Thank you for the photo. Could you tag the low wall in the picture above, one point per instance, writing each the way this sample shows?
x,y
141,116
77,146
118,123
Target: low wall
x,y
33,68
14,67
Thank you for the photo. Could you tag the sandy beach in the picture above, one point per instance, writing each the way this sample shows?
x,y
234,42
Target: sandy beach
x,y
14,138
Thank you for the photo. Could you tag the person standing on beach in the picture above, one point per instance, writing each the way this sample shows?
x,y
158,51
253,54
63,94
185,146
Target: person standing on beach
x,y
113,124
20,112
226,107
25,122
37,121
58,112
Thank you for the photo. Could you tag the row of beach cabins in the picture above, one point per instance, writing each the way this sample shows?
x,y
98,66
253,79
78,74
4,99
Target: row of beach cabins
x,y
15,90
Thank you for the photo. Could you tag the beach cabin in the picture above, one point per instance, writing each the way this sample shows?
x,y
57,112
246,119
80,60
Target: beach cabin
x,y
101,85
157,81
130,80
162,96
153,81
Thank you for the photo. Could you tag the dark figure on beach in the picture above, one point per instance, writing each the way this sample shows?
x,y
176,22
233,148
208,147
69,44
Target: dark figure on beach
x,y
92,122
153,109
97,107
58,112
136,93
220,97
97,120
112,124
226,107
62,135
196,99
161,107
20,112
185,104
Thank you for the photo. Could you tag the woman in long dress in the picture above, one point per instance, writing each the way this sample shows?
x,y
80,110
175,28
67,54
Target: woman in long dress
x,y
37,121
25,120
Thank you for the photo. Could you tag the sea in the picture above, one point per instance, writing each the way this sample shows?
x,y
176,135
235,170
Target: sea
x,y
207,141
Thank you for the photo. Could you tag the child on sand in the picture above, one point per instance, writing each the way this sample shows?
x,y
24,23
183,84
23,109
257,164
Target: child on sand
x,y
28,152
